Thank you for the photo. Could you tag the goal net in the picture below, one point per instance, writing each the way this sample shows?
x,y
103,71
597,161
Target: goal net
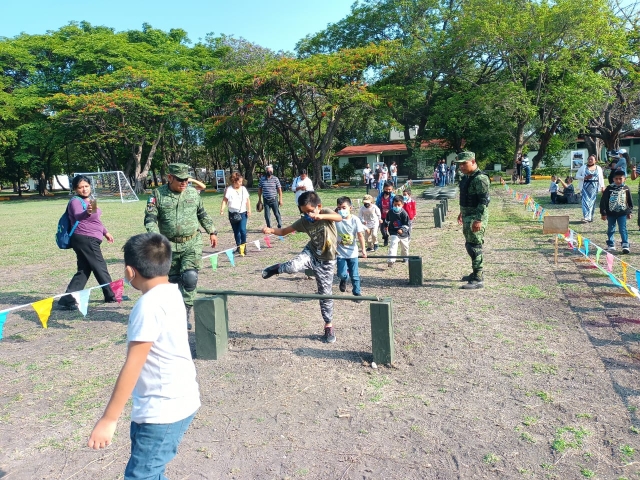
x,y
110,186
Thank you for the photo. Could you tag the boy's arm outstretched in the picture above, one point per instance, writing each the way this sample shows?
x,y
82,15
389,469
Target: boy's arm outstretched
x,y
103,431
281,232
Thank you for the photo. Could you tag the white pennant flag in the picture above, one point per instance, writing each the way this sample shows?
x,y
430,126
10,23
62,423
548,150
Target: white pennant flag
x,y
257,244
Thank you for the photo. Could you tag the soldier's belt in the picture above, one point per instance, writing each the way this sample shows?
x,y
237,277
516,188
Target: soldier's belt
x,y
182,239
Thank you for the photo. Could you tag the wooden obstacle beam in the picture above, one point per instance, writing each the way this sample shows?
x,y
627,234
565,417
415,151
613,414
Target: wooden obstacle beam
x,y
212,321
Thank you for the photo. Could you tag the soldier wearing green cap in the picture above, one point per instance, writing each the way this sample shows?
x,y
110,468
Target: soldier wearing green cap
x,y
176,211
474,214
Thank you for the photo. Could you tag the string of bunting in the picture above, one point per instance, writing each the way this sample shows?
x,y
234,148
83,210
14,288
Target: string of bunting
x,y
583,245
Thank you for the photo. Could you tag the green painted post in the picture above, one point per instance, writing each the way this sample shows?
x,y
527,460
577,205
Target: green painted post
x,y
415,271
443,212
212,327
436,217
446,205
382,343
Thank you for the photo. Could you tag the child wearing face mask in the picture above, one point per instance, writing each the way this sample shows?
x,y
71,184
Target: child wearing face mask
x,y
397,222
409,205
371,219
349,229
318,255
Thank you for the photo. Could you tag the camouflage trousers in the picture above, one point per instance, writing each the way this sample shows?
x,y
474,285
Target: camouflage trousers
x,y
186,256
324,277
474,241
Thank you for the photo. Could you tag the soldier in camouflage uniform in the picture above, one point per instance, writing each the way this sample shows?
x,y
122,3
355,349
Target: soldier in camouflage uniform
x,y
176,211
474,214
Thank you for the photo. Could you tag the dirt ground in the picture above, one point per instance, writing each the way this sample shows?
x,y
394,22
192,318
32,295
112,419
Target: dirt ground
x,y
535,376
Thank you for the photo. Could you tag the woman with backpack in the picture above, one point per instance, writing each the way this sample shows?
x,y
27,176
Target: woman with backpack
x,y
85,241
236,199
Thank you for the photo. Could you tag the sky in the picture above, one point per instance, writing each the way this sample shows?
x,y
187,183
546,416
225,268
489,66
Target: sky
x,y
275,24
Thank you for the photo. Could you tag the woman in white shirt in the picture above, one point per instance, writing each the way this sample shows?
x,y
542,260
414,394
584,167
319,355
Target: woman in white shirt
x,y
592,179
236,197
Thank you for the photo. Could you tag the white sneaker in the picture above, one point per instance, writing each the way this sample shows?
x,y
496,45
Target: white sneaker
x,y
611,248
625,250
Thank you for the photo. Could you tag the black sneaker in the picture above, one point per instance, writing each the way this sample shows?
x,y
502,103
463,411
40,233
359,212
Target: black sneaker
x,y
270,271
343,285
329,335
386,242
369,249
358,295
375,247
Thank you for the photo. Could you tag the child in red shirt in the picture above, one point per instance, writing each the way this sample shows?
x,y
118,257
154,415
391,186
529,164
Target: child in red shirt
x,y
409,204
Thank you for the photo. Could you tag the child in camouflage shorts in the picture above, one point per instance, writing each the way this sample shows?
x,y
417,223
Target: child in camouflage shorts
x,y
318,255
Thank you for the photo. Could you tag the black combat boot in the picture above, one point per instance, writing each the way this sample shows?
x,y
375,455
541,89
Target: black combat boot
x,y
475,282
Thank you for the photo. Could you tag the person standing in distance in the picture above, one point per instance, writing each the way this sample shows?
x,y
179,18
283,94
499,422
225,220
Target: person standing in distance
x,y
393,170
302,184
176,211
474,214
270,190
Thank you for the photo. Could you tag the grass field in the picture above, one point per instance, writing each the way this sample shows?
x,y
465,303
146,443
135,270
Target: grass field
x,y
533,377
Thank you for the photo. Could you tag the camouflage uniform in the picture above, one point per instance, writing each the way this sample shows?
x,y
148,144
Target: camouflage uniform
x,y
474,206
178,216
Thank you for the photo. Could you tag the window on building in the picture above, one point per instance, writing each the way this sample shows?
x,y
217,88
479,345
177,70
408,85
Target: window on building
x,y
625,143
358,162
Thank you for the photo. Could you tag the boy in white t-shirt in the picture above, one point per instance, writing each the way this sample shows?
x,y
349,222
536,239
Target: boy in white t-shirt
x,y
158,370
349,229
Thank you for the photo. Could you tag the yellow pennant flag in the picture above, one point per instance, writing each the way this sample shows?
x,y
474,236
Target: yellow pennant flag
x,y
624,285
43,309
242,247
579,241
624,274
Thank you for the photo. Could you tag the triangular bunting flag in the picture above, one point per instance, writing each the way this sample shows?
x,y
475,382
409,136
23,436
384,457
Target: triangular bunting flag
x,y
214,261
579,241
257,244
267,241
118,289
626,287
638,278
241,249
609,262
635,291
624,272
615,281
598,252
3,318
82,297
43,309
281,238
230,257
586,246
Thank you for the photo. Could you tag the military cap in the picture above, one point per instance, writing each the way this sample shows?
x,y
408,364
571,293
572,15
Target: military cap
x,y
465,157
179,170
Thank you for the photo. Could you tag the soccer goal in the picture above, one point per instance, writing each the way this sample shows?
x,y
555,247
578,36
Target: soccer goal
x,y
110,186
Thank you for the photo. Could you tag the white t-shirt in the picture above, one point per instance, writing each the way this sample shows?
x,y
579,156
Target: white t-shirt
x,y
365,173
237,199
394,170
302,183
371,216
167,390
348,230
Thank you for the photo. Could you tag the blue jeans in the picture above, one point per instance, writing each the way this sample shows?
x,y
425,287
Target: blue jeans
x,y
527,174
348,267
611,229
153,445
271,204
394,179
240,230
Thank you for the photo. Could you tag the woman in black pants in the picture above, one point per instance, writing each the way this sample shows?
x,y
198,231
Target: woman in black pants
x,y
85,241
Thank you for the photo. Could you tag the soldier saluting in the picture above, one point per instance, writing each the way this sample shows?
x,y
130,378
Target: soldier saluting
x,y
474,214
176,211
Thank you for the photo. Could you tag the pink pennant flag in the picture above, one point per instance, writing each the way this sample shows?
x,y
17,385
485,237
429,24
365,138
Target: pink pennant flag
x,y
609,262
118,289
267,241
43,309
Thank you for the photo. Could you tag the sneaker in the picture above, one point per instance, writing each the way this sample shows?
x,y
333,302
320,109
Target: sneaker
x,y
270,271
358,295
386,242
611,248
375,247
343,285
625,250
405,260
390,264
329,335
369,249
473,285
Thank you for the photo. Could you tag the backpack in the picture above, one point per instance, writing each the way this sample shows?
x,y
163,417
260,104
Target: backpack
x,y
65,230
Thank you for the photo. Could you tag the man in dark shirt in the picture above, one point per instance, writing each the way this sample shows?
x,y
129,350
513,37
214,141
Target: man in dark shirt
x,y
270,190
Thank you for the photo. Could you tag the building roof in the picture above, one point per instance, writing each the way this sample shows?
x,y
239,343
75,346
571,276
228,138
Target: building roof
x,y
373,148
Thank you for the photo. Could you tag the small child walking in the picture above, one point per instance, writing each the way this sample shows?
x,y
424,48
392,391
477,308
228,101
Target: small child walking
x,y
349,229
399,230
553,189
410,203
371,219
318,255
616,207
158,370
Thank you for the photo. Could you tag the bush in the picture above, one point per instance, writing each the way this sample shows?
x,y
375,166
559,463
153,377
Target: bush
x,y
345,173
